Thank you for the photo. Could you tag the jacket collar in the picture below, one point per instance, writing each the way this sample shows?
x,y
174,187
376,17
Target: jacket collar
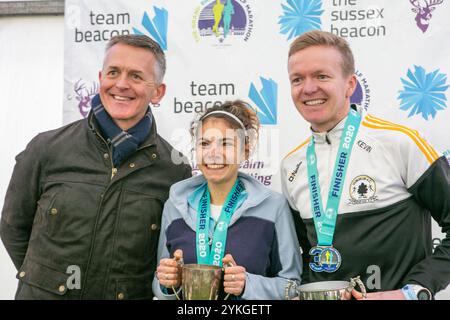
x,y
196,195
335,133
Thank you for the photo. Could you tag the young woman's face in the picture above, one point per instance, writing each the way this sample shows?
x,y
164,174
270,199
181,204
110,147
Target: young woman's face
x,y
219,151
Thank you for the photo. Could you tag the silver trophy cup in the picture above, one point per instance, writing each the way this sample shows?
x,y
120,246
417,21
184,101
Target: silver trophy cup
x,y
201,282
330,290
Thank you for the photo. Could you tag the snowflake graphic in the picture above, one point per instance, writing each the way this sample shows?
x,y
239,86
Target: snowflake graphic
x,y
300,16
423,93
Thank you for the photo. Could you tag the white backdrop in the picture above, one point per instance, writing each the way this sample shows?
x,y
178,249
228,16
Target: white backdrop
x,y
31,87
204,68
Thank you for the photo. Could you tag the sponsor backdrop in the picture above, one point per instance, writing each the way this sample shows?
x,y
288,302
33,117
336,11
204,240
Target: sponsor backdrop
x,y
226,49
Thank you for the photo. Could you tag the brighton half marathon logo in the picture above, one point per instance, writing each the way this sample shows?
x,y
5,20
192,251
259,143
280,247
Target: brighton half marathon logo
x,y
361,96
157,27
423,93
265,100
362,190
300,16
423,10
223,19
84,96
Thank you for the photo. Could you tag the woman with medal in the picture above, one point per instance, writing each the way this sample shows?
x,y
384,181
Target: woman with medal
x,y
227,218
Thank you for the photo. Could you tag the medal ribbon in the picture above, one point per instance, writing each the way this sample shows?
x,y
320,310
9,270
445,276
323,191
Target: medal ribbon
x,y
204,254
325,222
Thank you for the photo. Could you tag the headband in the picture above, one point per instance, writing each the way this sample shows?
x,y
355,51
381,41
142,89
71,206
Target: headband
x,y
229,114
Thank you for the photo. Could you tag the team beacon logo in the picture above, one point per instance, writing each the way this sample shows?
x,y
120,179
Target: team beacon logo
x,y
300,16
265,100
423,10
423,93
157,27
223,19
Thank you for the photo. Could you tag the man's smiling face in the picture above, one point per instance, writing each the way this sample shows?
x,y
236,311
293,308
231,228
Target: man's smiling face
x,y
128,84
319,88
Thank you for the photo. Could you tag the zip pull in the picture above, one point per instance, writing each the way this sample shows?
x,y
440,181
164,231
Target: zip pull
x,y
113,172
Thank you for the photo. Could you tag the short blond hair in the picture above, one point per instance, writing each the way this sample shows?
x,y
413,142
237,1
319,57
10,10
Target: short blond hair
x,y
323,38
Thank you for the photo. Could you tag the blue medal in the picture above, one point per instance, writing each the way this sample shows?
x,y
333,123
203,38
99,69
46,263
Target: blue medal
x,y
214,255
326,258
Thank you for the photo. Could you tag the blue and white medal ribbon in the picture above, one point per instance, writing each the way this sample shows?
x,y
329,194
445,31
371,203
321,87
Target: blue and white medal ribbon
x,y
325,257
204,254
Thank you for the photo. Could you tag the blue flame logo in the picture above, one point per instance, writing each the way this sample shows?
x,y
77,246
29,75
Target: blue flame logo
x,y
157,27
423,93
265,100
300,16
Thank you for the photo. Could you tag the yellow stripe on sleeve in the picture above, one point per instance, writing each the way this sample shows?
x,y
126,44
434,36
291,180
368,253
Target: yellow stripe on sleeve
x,y
297,148
430,149
426,148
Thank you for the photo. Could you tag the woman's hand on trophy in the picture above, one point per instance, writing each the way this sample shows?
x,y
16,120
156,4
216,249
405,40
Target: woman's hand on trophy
x,y
235,276
169,270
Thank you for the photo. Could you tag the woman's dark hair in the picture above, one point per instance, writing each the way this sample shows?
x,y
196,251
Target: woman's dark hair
x,y
241,110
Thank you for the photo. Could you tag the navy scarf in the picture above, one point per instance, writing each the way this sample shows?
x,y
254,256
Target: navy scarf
x,y
124,143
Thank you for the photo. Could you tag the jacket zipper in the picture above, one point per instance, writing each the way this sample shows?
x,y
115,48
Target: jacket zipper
x,y
113,173
113,170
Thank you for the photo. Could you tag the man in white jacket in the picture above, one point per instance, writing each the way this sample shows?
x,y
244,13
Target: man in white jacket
x,y
362,189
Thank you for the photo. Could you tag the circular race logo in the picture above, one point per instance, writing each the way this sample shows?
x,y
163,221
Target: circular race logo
x,y
223,19
330,259
325,259
362,190
361,96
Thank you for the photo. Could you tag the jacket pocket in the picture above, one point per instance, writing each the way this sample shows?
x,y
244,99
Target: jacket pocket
x,y
41,282
53,214
138,230
137,288
48,211
44,205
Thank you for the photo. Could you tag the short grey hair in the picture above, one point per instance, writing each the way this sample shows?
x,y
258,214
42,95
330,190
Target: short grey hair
x,y
143,41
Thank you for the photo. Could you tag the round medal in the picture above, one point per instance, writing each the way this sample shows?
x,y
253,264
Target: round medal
x,y
330,259
325,259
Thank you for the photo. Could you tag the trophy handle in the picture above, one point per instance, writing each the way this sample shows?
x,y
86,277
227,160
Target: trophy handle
x,y
357,281
291,284
229,264
180,264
